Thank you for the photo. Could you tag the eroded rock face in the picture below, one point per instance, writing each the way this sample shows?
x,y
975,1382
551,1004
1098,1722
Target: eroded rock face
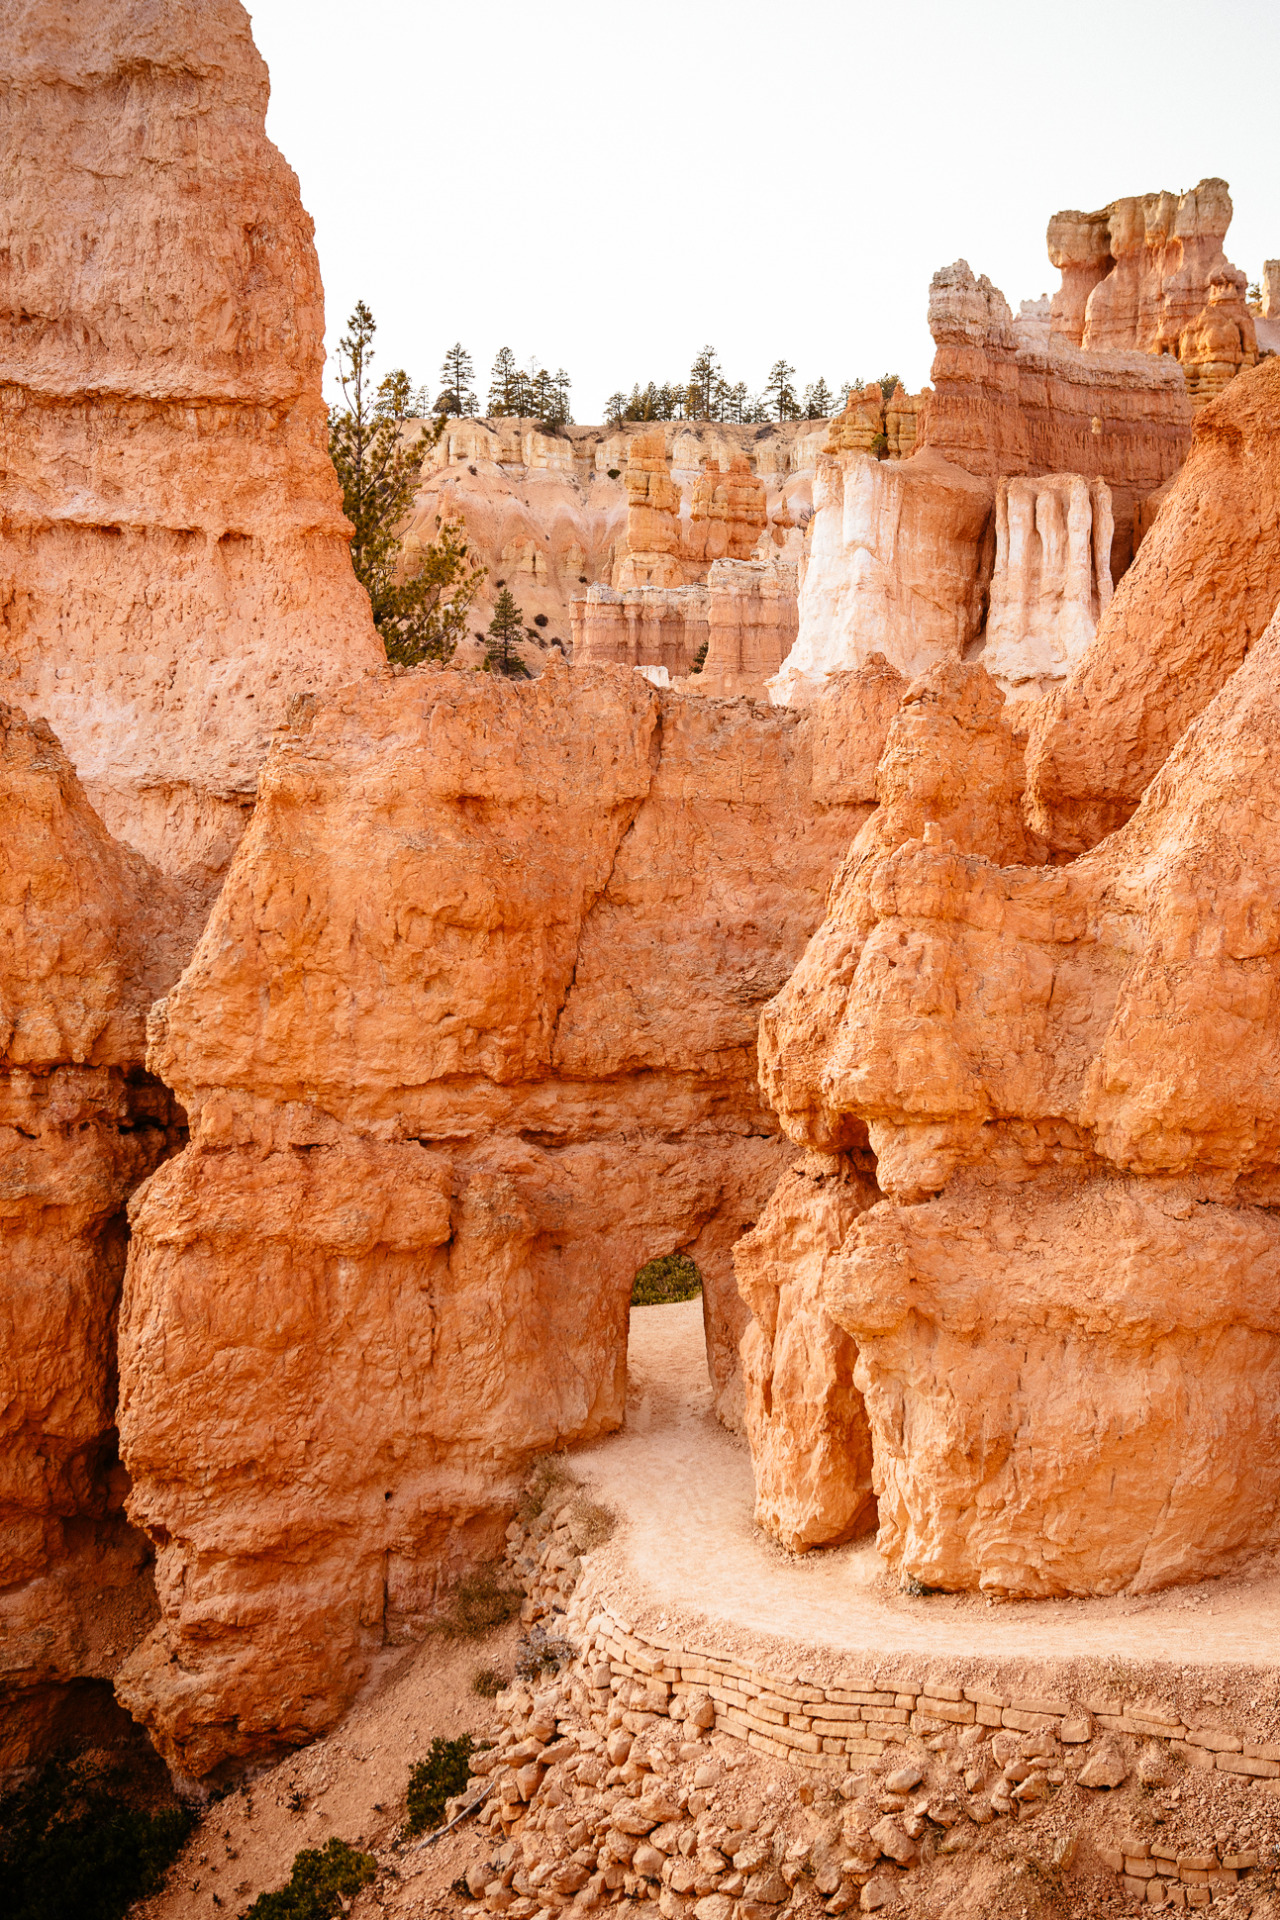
x,y
469,1037
752,616
1008,399
1199,595
651,555
641,627
898,562
805,1417
173,555
1149,274
727,513
83,950
1065,1309
1051,581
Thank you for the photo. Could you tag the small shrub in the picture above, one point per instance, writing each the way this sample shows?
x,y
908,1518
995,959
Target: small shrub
x,y
591,1523
662,1282
480,1603
323,1878
73,1848
700,657
436,1779
541,1653
615,473
539,619
487,1682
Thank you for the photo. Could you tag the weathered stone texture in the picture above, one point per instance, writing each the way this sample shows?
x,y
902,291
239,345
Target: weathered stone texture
x,y
1067,1325
83,949
899,558
172,550
469,1037
1199,595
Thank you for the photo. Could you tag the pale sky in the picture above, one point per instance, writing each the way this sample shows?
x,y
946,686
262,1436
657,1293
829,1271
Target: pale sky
x,y
610,187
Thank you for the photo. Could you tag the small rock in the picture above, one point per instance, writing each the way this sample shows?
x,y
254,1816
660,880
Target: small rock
x,y
1064,1851
905,1780
705,1776
876,1894
714,1906
1105,1767
768,1889
893,1842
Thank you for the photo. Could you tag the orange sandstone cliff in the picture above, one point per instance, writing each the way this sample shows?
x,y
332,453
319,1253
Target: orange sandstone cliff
x,y
84,948
172,549
1063,1309
470,1036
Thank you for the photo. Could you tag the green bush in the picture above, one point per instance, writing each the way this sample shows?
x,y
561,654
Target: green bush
x,y
73,1848
321,1880
436,1779
487,1682
660,1282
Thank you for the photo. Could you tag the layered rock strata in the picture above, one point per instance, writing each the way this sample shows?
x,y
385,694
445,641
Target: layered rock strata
x,y
641,627
83,949
726,513
172,549
469,1037
1006,402
752,616
652,553
1067,1329
1051,581
1196,600
898,561
1149,274
873,423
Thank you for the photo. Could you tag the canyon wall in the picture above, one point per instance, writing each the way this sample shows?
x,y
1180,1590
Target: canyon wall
x,y
1196,600
1064,1308
1007,399
1051,580
173,557
86,942
546,511
990,513
752,618
898,561
1149,274
641,627
469,1037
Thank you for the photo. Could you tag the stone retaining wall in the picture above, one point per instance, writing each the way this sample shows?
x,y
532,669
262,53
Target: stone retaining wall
x,y
838,1727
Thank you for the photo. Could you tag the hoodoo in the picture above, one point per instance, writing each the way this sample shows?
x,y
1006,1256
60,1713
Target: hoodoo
x,y
819,867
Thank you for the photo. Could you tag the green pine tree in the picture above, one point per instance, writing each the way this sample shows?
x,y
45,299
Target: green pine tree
x,y
781,393
704,379
505,628
456,375
419,599
819,402
503,384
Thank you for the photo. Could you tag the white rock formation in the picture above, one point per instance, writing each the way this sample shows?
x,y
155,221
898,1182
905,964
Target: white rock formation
x,y
1052,579
895,566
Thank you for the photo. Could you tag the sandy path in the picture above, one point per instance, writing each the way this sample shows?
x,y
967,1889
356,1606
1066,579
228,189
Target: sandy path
x,y
689,1548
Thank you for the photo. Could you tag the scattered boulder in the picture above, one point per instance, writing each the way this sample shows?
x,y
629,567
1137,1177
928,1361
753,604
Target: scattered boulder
x,y
1105,1767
